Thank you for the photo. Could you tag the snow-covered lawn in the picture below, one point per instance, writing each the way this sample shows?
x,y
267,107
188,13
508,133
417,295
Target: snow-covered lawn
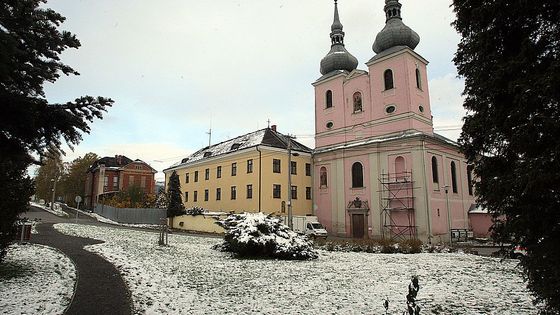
x,y
188,277
36,279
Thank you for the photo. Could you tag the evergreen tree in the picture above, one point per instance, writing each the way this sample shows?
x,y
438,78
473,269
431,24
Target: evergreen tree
x,y
509,55
30,127
175,206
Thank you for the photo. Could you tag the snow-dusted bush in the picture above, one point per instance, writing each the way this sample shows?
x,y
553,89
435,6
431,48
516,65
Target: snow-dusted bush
x,y
260,235
195,211
370,246
161,199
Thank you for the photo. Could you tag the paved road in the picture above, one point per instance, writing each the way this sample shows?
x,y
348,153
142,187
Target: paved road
x,y
100,289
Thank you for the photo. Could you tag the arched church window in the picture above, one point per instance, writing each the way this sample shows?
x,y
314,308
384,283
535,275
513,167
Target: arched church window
x,y
357,102
435,175
418,79
388,78
454,177
357,175
329,99
323,177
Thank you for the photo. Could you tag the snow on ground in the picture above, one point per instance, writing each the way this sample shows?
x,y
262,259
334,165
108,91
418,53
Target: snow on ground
x,y
36,279
56,211
109,221
189,277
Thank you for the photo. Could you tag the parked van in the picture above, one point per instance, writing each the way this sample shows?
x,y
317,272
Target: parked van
x,y
308,225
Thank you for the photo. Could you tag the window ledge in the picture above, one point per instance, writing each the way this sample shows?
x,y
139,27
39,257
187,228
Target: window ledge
x,y
358,188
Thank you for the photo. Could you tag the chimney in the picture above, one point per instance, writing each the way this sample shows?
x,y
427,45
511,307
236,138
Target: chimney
x,y
273,127
118,159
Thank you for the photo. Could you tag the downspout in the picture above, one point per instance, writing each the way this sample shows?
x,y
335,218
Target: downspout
x,y
260,175
429,217
313,183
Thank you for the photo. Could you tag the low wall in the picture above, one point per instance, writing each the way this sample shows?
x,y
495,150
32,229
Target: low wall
x,y
131,215
197,223
480,224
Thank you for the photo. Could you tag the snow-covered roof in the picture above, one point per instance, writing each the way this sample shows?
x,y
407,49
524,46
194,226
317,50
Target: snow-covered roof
x,y
474,208
384,138
264,137
400,135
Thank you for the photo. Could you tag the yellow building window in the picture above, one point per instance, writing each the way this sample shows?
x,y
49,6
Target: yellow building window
x,y
276,191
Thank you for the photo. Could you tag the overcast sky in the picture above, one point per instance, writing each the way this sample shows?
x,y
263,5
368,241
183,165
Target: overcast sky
x,y
177,68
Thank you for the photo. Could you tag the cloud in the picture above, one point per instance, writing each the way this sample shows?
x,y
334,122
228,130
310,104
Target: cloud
x,y
447,105
177,68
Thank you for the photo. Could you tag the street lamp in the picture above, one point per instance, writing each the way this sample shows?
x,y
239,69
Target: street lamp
x,y
446,187
54,180
290,214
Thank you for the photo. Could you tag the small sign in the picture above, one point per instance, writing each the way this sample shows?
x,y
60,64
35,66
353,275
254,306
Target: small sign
x,y
78,199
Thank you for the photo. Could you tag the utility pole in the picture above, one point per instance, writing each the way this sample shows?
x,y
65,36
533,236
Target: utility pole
x,y
209,133
290,214
55,179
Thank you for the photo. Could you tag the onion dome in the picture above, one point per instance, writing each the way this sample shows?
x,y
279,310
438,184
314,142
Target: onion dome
x,y
338,58
395,33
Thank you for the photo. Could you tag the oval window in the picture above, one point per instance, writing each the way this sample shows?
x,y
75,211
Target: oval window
x,y
390,109
421,108
330,125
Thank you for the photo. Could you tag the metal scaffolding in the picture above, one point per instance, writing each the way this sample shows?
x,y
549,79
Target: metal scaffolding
x,y
397,205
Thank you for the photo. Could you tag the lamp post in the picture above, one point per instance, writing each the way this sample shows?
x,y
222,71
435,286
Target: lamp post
x,y
54,180
290,214
446,187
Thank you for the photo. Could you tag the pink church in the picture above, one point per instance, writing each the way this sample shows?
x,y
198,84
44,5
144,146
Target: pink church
x,y
379,168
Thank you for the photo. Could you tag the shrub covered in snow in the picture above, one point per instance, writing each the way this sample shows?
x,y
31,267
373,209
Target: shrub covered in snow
x,y
370,246
260,235
161,199
195,211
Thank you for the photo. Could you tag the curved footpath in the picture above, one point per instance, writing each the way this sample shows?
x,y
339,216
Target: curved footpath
x,y
100,289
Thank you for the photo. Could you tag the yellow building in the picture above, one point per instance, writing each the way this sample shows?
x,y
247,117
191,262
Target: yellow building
x,y
248,174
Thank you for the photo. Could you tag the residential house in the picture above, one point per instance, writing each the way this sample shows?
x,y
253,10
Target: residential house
x,y
118,173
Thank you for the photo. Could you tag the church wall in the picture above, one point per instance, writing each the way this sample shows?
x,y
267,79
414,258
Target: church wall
x,y
384,111
356,118
334,114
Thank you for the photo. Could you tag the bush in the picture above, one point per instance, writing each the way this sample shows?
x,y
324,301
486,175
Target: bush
x,y
133,197
371,246
195,211
411,246
259,235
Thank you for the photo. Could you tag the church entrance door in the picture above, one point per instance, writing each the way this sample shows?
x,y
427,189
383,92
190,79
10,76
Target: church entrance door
x,y
358,221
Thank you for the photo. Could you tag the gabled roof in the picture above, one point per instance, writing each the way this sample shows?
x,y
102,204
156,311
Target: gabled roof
x,y
111,161
265,137
116,162
142,162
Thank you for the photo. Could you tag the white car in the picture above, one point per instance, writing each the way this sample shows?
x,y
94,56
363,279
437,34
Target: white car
x,y
315,230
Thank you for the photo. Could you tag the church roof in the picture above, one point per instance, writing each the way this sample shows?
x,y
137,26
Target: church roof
x,y
338,57
406,134
395,33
